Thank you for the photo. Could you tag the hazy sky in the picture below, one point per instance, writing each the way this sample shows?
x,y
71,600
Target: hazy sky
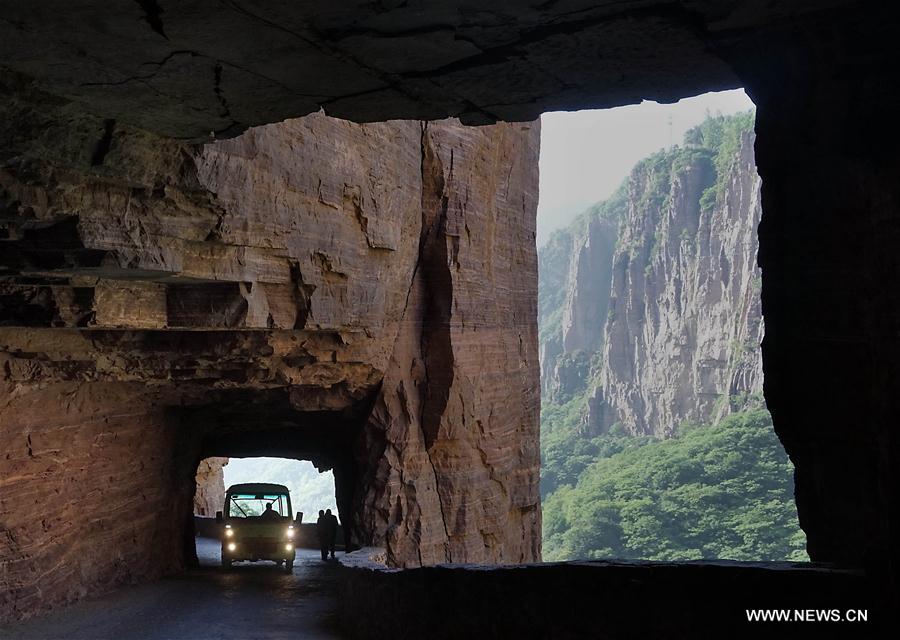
x,y
585,155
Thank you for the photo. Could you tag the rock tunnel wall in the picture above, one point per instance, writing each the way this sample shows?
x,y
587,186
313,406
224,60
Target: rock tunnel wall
x,y
349,294
93,491
638,600
826,152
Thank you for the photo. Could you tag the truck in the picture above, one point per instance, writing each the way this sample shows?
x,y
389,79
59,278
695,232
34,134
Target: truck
x,y
257,523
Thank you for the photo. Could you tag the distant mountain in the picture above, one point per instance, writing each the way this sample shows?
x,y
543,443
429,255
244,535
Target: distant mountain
x,y
655,441
649,301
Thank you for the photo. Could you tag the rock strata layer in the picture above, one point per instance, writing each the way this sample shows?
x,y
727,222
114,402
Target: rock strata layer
x,y
348,294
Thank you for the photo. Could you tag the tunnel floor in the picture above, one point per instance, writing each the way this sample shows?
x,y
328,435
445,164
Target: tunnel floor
x,y
251,601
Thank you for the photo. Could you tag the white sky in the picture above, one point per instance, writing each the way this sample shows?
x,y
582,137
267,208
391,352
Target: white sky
x,y
585,155
310,490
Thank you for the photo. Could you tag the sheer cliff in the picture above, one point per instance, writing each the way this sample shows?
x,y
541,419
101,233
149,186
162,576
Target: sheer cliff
x,y
650,302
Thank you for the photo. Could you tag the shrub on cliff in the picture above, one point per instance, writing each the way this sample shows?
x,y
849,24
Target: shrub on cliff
x,y
721,491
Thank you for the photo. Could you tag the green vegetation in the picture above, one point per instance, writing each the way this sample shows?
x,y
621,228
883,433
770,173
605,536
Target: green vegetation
x,y
722,135
719,491
653,179
566,455
614,208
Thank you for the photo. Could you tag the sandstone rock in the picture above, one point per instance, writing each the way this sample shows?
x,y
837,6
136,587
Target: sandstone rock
x,y
209,495
468,326
94,491
348,294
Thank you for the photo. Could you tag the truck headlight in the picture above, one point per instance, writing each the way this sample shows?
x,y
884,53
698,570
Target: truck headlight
x,y
288,547
290,532
232,546
229,532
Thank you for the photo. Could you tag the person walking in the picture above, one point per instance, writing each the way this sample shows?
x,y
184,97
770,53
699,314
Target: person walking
x,y
323,524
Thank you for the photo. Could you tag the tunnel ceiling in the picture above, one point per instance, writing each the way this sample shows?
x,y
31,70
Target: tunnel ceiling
x,y
189,69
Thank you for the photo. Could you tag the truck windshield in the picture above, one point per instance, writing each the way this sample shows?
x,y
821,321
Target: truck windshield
x,y
249,506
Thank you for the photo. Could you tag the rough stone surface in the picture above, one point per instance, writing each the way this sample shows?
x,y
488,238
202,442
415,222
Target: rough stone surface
x,y
828,237
452,439
189,70
587,302
260,296
822,74
92,485
193,69
209,496
604,599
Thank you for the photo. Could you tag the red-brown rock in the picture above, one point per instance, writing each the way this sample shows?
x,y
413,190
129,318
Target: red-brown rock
x,y
349,294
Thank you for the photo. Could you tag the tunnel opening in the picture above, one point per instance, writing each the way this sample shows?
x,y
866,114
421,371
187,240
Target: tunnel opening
x,y
311,490
298,440
656,440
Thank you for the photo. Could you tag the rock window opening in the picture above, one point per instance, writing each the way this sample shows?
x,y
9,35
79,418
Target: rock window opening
x,y
656,440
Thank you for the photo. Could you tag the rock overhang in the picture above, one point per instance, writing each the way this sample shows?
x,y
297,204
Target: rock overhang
x,y
207,69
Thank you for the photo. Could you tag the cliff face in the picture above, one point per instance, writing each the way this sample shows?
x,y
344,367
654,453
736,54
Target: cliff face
x,y
362,296
575,270
590,271
678,339
685,324
452,444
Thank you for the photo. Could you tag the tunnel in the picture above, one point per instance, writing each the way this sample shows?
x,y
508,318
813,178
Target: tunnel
x,y
247,426
311,492
318,241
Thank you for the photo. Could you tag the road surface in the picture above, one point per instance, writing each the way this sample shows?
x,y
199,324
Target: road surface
x,y
251,601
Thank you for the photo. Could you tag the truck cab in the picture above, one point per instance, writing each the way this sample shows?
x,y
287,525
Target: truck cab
x,y
258,524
